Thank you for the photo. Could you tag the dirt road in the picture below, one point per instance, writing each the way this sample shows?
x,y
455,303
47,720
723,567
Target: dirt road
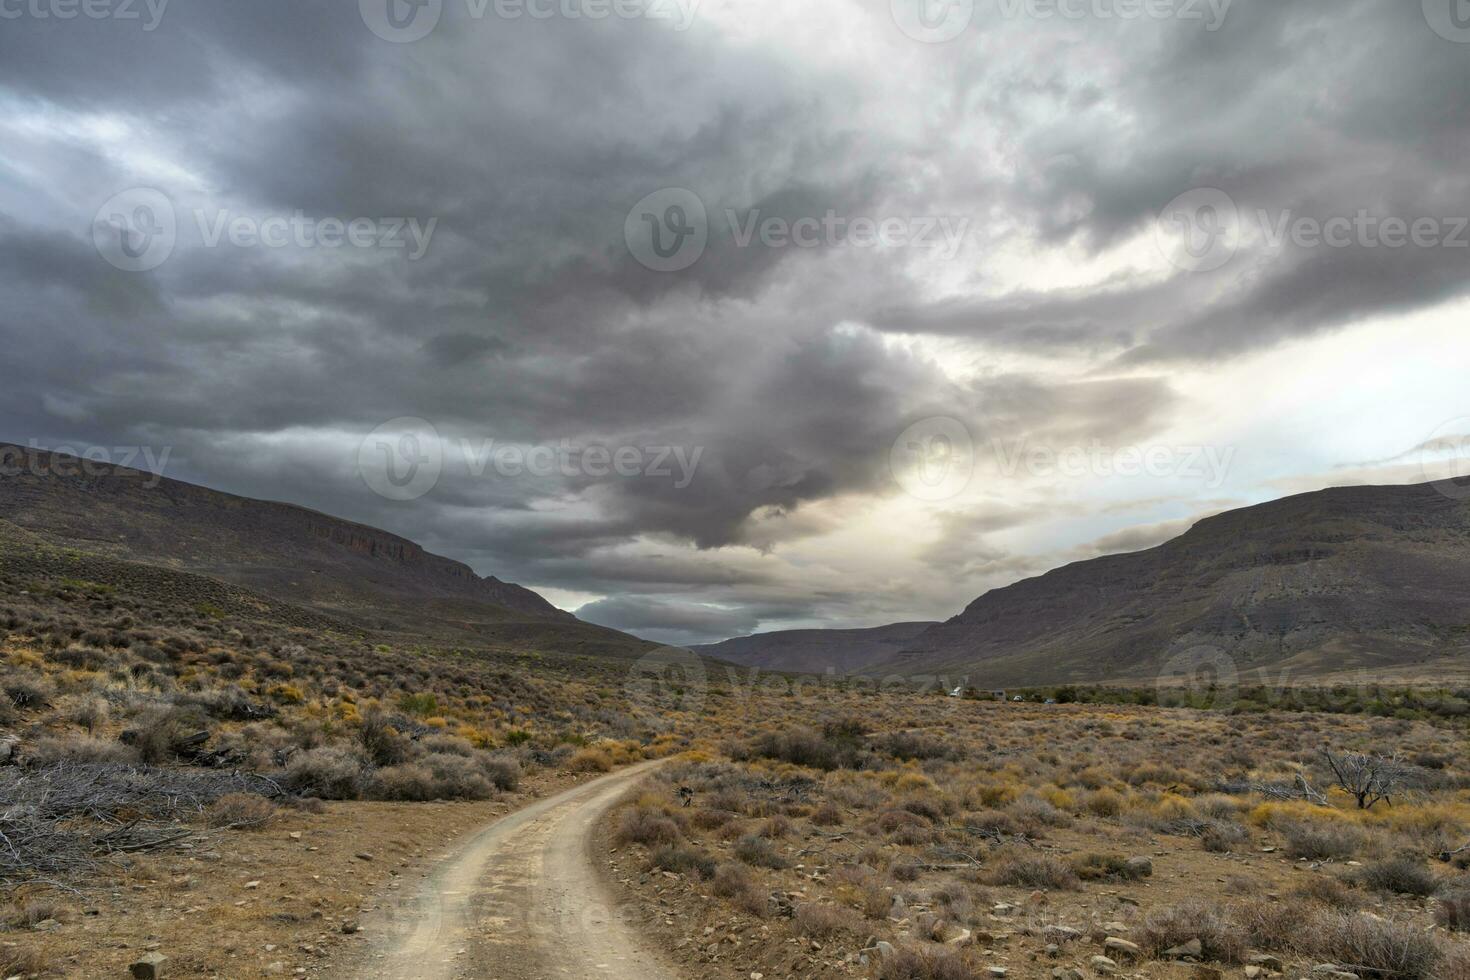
x,y
521,901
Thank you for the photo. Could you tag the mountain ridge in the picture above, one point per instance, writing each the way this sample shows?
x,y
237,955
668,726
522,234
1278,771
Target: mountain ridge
x,y
343,567
1373,578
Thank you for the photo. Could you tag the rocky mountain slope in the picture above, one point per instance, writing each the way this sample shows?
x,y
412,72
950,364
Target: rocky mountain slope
x,y
1376,578
354,572
816,650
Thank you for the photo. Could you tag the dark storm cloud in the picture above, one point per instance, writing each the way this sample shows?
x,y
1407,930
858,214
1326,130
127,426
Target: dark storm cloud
x,y
528,321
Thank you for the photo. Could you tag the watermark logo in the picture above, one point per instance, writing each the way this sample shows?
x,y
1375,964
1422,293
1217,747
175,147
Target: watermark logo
x,y
120,10
1208,464
1444,458
401,21
663,680
1205,673
1199,231
668,230
408,235
1211,12
933,459
401,459
677,464
136,230
143,463
933,21
1450,19
944,234
406,21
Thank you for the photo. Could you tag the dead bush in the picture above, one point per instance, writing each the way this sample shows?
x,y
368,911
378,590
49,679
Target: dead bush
x,y
1398,875
1329,892
19,961
1223,939
827,815
826,922
710,819
381,741
1034,814
927,964
732,883
1025,868
1270,924
25,913
682,860
49,751
1321,841
1368,944
1095,867
331,773
240,810
590,760
641,825
27,691
759,851
1222,836
1452,908
835,749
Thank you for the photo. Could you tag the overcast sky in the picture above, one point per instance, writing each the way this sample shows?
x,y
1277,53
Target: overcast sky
x,y
503,277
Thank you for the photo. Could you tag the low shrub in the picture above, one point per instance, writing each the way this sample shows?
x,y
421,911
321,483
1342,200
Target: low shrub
x,y
1398,875
590,760
1321,841
19,961
1222,836
1452,907
649,827
1270,924
27,691
240,810
49,751
827,815
927,964
1331,892
1024,868
759,851
1095,867
331,773
826,922
1372,945
803,747
1223,939
682,860
732,883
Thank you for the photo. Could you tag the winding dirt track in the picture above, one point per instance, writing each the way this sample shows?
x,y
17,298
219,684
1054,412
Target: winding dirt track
x,y
522,901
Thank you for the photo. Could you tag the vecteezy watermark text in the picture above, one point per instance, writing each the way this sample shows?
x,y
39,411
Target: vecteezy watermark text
x,y
935,459
937,21
1209,464
299,231
403,459
147,13
137,230
1201,230
143,463
669,230
406,21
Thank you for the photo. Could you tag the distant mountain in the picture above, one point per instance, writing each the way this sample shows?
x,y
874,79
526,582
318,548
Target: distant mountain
x,y
1354,577
815,650
1315,585
353,572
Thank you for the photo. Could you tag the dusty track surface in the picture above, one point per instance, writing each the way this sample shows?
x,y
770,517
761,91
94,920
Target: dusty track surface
x,y
521,901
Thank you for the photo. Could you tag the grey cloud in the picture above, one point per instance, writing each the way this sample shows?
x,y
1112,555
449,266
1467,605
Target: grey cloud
x,y
528,320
